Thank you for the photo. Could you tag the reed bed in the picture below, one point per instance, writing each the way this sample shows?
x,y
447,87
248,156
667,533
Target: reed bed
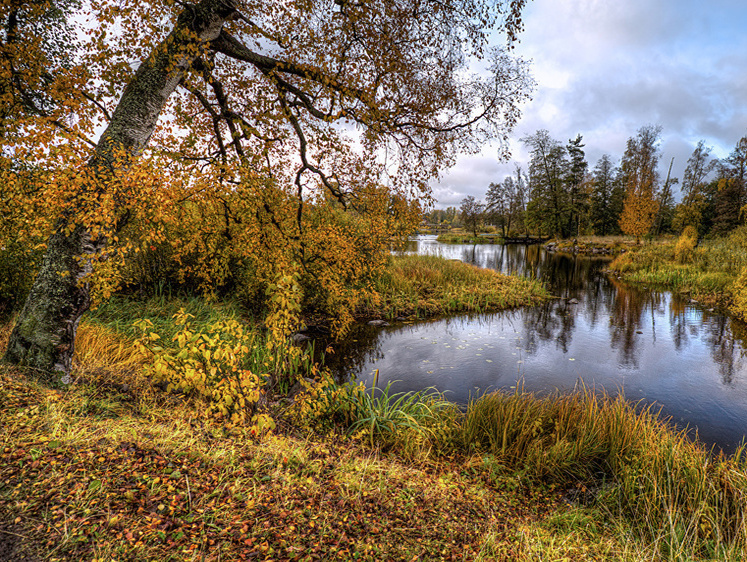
x,y
685,502
424,286
709,271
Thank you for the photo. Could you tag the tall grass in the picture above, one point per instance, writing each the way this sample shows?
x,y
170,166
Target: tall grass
x,y
710,271
686,503
466,238
430,285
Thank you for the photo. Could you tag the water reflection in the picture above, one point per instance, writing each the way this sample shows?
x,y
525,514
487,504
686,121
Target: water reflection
x,y
653,346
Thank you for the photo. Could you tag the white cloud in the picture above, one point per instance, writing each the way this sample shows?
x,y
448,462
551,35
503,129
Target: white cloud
x,y
604,69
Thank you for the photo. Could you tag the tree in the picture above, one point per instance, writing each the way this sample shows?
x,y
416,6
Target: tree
x,y
697,203
603,213
638,172
504,202
575,182
235,103
471,210
731,195
665,215
549,202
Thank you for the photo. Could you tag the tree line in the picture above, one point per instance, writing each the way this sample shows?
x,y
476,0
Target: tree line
x,y
559,194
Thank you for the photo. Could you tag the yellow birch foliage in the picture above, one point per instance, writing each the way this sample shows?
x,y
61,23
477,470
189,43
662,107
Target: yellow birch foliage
x,y
639,212
210,364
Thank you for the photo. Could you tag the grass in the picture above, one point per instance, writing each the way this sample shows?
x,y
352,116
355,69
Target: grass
x,y
93,474
428,285
708,276
89,477
682,502
467,238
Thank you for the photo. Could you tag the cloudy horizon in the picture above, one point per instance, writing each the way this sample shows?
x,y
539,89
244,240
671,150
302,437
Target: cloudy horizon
x,y
605,69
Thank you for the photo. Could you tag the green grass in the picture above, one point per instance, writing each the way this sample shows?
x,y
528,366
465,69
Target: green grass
x,y
428,285
119,312
708,275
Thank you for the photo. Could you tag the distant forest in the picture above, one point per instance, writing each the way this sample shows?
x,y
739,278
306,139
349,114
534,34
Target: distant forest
x,y
560,196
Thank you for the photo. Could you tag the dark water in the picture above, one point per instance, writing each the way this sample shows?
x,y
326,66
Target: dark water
x,y
652,346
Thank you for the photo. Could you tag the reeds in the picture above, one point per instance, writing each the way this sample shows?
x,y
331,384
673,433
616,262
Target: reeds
x,y
679,498
428,285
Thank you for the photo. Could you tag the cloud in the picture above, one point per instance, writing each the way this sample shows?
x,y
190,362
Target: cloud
x,y
605,69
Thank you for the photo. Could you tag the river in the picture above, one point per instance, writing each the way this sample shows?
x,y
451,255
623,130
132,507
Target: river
x,y
653,346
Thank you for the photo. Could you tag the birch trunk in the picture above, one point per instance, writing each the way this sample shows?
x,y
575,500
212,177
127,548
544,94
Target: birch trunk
x,y
44,335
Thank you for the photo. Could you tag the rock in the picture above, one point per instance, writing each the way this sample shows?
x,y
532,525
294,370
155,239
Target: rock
x,y
299,388
378,323
299,338
572,301
401,319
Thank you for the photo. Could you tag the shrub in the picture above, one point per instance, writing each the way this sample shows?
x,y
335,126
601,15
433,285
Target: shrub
x,y
212,365
685,248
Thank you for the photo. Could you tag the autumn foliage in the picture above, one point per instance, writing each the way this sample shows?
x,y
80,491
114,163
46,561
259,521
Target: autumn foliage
x,y
234,151
639,212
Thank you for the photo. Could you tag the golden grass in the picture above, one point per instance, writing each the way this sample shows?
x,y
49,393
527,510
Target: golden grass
x,y
429,285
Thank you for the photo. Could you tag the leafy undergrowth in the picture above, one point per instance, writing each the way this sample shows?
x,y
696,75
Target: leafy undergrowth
x,y
429,285
92,474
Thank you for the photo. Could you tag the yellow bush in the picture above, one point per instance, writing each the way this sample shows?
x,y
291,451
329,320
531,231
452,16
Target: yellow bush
x,y
685,248
209,364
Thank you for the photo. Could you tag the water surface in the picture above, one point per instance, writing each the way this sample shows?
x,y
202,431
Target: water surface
x,y
652,346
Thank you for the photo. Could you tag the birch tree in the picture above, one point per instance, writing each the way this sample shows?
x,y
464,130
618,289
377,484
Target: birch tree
x,y
281,101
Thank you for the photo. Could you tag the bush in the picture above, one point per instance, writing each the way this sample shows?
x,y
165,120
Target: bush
x,y
212,365
685,248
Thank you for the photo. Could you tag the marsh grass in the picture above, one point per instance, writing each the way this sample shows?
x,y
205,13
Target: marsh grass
x,y
709,270
675,495
428,285
466,238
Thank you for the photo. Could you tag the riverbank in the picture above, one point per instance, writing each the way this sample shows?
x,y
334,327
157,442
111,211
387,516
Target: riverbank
x,y
593,245
708,274
111,468
466,238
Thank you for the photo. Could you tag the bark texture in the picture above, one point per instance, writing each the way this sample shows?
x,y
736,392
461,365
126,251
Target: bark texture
x,y
44,336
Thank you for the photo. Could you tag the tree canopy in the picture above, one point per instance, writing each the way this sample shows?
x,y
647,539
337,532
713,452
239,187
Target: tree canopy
x,y
288,136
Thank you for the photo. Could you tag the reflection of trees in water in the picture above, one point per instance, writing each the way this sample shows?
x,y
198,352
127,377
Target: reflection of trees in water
x,y
726,337
678,321
363,343
626,319
470,254
541,324
601,296
566,276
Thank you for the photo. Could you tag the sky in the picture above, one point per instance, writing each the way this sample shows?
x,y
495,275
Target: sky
x,y
605,68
